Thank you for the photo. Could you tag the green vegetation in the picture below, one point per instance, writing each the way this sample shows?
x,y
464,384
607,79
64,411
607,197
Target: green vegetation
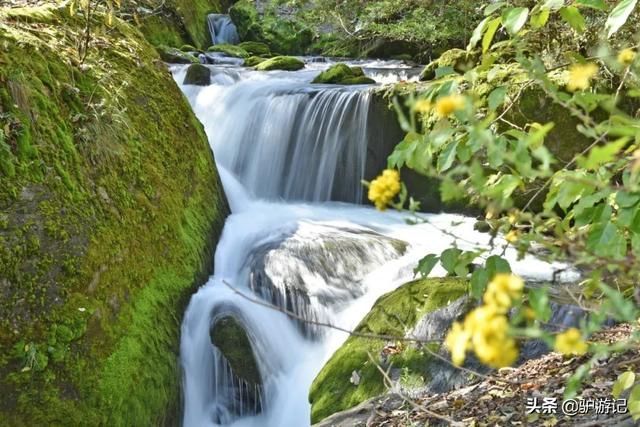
x,y
344,75
256,48
111,208
232,340
176,56
230,50
393,314
287,63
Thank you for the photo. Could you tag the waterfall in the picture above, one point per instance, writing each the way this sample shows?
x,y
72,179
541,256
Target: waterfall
x,y
222,29
290,155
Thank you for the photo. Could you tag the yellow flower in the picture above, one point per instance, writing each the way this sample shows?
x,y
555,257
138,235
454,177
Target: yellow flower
x,y
447,105
502,291
457,341
384,188
580,76
422,106
490,338
512,236
570,342
626,56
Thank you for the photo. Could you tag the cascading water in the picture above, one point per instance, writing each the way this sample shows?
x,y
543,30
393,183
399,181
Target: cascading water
x,y
286,151
222,29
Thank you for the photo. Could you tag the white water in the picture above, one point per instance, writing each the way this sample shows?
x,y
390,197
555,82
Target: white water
x,y
284,150
222,29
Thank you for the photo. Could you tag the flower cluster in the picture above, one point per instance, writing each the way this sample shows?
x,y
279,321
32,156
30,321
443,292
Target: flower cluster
x,y
570,342
626,56
384,188
580,76
448,105
485,330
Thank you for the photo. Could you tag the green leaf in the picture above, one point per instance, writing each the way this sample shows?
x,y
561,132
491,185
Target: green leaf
x,y
514,19
553,4
495,265
492,27
479,281
451,190
539,301
634,403
449,259
624,382
497,97
540,19
594,4
619,16
573,17
444,71
601,155
426,265
607,240
493,7
446,158
627,200
477,33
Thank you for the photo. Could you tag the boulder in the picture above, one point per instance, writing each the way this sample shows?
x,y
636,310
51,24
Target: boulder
x,y
198,74
398,313
253,61
229,336
188,48
176,56
344,75
230,50
256,48
287,63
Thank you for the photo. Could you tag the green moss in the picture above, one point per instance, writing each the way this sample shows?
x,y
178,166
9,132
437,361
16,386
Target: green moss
x,y
256,48
188,48
230,337
230,50
161,31
197,74
176,56
252,61
287,63
109,223
282,36
458,60
392,314
344,75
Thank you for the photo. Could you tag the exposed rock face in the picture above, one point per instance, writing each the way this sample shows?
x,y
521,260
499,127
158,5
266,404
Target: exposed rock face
x,y
110,210
318,267
286,63
198,74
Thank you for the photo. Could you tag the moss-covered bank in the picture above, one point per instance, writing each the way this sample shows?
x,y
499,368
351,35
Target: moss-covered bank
x,y
393,314
110,208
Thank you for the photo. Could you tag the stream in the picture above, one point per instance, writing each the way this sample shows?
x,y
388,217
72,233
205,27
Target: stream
x,y
291,156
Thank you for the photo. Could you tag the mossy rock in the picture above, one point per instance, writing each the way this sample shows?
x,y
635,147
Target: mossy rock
x,y
393,314
176,56
286,63
229,336
230,50
181,22
457,60
256,48
109,220
253,61
344,75
198,74
188,48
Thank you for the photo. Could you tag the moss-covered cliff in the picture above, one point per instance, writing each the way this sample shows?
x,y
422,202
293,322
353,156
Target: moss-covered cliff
x,y
110,208
394,314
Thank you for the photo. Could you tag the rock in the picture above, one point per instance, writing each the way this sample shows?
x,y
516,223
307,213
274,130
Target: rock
x,y
392,314
287,63
457,60
176,56
188,48
91,292
384,48
198,74
230,50
256,48
228,335
344,75
252,61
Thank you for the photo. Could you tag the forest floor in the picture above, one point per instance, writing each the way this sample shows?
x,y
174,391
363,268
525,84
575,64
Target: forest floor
x,y
528,395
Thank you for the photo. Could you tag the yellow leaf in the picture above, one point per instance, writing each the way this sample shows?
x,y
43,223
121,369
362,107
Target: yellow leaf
x,y
624,381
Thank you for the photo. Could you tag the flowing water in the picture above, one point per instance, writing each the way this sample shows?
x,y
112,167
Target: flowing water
x,y
222,29
291,156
